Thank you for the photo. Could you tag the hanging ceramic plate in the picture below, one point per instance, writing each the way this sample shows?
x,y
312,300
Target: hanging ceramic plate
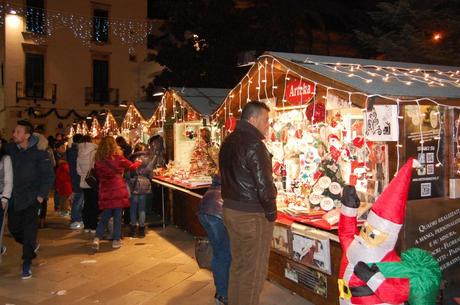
x,y
335,188
317,189
324,182
315,199
327,204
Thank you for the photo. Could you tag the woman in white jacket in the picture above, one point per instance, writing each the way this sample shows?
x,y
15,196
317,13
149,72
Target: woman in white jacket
x,y
6,187
85,162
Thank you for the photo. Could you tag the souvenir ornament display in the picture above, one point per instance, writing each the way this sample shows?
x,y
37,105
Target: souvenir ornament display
x,y
371,271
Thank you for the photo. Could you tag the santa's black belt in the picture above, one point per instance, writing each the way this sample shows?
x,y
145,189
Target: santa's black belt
x,y
361,291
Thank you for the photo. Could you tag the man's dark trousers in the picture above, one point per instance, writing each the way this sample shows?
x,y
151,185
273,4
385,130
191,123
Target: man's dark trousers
x,y
23,225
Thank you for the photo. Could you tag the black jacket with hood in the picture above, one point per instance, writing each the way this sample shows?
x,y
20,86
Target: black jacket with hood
x,y
33,174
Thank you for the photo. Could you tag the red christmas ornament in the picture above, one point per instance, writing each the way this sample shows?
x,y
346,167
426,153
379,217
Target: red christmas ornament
x,y
353,179
334,124
358,142
335,153
298,133
277,168
272,137
230,124
319,115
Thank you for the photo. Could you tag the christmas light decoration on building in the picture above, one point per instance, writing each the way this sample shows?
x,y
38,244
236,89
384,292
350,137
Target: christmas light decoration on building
x,y
110,127
95,128
130,32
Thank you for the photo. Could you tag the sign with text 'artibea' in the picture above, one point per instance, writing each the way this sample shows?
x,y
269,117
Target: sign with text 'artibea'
x,y
299,92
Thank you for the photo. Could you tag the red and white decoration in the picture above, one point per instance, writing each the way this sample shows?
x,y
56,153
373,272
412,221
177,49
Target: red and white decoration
x,y
387,216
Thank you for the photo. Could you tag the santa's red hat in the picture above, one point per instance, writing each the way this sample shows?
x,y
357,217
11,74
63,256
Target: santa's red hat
x,y
387,213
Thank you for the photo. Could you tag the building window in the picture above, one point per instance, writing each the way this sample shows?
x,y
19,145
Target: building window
x,y
35,16
35,75
101,25
157,9
100,80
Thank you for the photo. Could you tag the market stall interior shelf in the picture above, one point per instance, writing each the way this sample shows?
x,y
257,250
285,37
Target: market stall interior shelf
x,y
192,144
337,121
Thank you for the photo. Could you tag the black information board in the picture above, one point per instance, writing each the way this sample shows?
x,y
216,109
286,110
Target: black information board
x,y
424,140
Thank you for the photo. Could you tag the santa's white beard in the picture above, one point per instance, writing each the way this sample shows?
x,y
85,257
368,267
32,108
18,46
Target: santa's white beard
x,y
359,251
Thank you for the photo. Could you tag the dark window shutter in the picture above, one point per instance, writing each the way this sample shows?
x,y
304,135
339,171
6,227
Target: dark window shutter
x,y
35,75
101,80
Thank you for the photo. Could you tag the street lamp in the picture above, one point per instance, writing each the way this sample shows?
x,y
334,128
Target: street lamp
x,y
437,36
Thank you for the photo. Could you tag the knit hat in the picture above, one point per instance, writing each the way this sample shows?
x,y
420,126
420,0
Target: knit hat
x,y
388,212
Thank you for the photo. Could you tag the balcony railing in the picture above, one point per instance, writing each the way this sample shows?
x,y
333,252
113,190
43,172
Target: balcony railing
x,y
103,96
37,92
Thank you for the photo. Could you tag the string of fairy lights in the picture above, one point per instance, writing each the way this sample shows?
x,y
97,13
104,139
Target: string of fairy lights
x,y
408,76
181,110
45,22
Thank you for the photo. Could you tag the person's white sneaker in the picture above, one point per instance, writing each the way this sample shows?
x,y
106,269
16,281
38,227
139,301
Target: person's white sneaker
x,y
95,244
76,225
116,244
87,230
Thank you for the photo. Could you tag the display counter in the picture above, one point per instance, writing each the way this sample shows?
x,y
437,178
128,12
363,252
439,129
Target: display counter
x,y
305,260
183,204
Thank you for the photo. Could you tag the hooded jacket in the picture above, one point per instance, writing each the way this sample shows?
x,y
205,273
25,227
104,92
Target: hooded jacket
x,y
85,161
33,174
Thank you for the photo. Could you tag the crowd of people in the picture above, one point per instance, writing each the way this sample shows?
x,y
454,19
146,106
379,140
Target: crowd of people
x,y
99,183
32,167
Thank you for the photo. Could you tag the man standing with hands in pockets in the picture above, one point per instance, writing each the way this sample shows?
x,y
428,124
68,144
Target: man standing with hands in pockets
x,y
249,203
33,176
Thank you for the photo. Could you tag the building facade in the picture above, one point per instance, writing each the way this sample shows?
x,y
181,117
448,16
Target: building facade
x,y
65,57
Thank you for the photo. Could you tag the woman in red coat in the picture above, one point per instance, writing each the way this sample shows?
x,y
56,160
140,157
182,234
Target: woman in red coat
x,y
110,166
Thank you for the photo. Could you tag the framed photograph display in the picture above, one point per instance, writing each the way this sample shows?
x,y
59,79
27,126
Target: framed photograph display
x,y
312,249
281,238
307,277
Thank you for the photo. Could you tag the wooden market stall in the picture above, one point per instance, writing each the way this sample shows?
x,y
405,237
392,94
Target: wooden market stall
x,y
135,127
337,121
182,113
110,127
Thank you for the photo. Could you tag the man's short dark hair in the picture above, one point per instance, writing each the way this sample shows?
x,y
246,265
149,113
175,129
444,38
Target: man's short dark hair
x,y
253,109
77,138
27,125
59,144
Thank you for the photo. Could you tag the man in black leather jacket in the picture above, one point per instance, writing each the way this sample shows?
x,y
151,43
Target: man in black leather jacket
x,y
249,203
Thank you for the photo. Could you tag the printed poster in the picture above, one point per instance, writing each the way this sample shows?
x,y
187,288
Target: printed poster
x,y
382,123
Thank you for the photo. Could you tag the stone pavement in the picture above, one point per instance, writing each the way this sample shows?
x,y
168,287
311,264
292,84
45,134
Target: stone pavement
x,y
158,270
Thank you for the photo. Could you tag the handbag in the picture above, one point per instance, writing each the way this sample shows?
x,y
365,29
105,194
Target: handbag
x,y
140,185
91,179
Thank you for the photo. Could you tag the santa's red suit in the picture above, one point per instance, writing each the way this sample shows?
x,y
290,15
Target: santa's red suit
x,y
386,215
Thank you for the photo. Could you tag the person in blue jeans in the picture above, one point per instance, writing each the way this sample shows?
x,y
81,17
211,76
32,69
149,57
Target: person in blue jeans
x,y
210,216
140,187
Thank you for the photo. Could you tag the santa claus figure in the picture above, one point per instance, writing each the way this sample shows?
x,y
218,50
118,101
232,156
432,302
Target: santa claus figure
x,y
360,281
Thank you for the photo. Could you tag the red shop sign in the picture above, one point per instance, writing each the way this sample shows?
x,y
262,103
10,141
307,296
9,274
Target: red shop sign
x,y
299,92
